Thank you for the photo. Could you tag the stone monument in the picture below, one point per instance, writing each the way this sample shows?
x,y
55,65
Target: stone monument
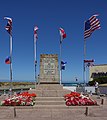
x,y
48,81
49,73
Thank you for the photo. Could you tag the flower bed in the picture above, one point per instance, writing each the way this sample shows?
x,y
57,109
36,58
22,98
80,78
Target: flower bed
x,y
76,99
23,99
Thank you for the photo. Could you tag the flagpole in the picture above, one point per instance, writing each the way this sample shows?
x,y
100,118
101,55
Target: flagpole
x,y
84,62
35,52
11,64
89,27
84,66
62,36
60,59
35,61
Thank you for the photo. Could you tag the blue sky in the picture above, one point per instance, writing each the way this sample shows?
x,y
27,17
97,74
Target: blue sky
x,y
49,16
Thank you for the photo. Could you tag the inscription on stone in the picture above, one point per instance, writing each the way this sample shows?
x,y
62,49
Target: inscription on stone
x,y
49,68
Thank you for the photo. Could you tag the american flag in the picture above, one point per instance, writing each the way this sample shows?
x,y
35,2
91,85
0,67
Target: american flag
x,y
62,33
8,27
35,32
91,25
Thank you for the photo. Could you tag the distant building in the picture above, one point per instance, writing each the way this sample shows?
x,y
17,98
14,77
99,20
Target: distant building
x,y
97,71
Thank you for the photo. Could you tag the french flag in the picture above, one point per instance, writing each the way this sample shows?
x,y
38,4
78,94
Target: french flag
x,y
7,60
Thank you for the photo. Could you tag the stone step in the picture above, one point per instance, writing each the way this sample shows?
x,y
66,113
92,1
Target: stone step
x,y
49,98
50,93
49,90
50,107
6,112
49,87
50,102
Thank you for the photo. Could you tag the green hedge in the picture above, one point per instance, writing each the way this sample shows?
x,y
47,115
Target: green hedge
x,y
100,80
16,83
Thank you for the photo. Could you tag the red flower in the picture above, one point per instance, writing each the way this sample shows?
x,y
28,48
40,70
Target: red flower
x,y
75,98
24,98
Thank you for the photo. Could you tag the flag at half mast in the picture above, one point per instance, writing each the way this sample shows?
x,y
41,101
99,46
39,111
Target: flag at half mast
x,y
8,27
91,25
62,33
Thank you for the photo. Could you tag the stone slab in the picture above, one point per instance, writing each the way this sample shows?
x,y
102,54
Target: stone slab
x,y
50,93
49,98
49,72
49,90
49,87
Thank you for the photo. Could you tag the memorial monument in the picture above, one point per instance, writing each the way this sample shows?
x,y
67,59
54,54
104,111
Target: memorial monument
x,y
49,73
48,84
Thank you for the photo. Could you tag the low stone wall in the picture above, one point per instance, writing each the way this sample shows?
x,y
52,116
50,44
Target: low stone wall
x,y
80,89
103,89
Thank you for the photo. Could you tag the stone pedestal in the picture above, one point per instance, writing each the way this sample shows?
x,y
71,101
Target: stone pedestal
x,y
49,90
48,82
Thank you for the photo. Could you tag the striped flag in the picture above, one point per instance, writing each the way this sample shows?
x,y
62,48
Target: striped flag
x,y
7,60
8,27
62,33
91,25
35,32
89,63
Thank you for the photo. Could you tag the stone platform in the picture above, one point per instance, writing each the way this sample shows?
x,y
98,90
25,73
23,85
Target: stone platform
x,y
50,96
49,90
50,103
70,113
53,111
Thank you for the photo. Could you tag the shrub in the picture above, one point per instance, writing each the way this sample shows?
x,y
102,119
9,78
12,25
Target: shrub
x,y
100,80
